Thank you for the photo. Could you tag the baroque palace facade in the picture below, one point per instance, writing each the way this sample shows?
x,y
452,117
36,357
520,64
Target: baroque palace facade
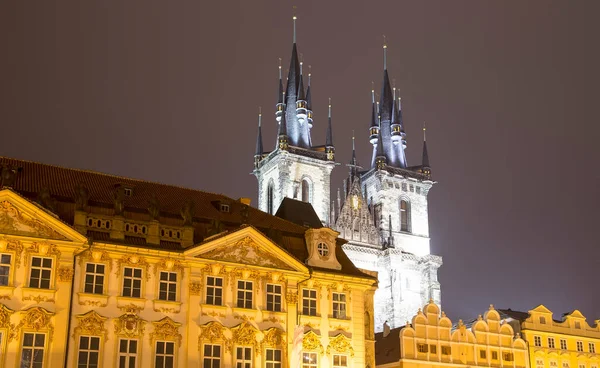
x,y
104,271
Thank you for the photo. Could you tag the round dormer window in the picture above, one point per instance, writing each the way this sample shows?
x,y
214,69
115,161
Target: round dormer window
x,y
323,249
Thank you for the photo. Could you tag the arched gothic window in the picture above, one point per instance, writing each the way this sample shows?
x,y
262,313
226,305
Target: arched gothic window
x,y
404,215
270,198
305,191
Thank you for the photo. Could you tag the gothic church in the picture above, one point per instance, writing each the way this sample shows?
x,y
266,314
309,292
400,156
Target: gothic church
x,y
383,209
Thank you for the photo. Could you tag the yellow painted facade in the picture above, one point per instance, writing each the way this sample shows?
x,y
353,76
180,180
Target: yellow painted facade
x,y
432,341
67,297
570,343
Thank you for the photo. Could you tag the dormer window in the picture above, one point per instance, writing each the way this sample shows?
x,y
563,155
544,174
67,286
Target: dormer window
x,y
543,320
128,192
224,208
323,249
321,245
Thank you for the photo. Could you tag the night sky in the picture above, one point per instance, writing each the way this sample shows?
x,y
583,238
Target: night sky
x,y
169,92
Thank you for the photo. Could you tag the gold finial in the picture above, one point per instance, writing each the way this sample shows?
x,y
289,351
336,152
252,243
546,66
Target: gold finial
x,y
279,68
424,131
294,19
384,42
384,53
309,71
259,116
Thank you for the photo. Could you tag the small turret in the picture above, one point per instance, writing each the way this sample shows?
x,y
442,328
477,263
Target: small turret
x,y
259,145
374,127
426,169
329,149
380,159
282,138
395,124
309,113
280,107
301,104
401,122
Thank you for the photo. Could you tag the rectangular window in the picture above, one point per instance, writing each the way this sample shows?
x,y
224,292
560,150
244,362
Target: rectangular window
x,y
243,357
94,278
433,349
273,358
539,363
89,352
422,348
551,342
537,341
579,345
340,361
244,294
482,354
32,355
274,298
564,364
165,354
543,320
212,356
168,286
214,290
577,324
4,268
309,360
581,365
494,355
563,344
132,282
41,273
309,302
127,353
553,363
446,350
592,347
339,305
507,357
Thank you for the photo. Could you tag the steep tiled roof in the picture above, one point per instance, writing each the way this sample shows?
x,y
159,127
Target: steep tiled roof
x,y
298,212
387,349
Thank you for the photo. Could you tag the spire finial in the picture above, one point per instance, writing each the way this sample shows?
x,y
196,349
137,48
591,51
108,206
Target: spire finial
x,y
294,19
301,62
259,116
384,53
373,91
309,74
279,68
394,87
329,106
424,131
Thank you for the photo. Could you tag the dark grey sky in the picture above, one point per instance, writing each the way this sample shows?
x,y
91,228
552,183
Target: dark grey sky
x,y
168,91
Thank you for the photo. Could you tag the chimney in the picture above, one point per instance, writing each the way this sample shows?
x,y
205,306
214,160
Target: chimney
x,y
245,200
386,329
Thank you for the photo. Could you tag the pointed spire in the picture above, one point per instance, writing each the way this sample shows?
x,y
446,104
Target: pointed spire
x,y
386,90
329,138
353,161
259,144
280,92
308,96
374,123
301,95
425,153
294,19
384,53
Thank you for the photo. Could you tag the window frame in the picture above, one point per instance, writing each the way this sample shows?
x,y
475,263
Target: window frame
x,y
537,341
168,283
22,346
405,214
340,303
273,363
274,296
104,275
156,354
339,365
246,292
592,347
214,288
579,346
11,267
212,359
99,351
142,284
311,364
422,348
127,354
551,342
51,283
243,361
563,344
310,298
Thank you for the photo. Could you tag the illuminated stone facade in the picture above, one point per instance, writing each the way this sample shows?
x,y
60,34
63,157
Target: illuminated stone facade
x,y
86,275
431,341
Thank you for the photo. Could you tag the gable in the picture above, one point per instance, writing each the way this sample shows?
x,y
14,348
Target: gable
x,y
250,247
19,216
540,309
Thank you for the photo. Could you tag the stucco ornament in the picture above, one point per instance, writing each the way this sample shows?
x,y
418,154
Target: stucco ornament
x,y
95,256
166,329
5,314
14,221
246,251
213,332
134,260
340,344
195,288
168,264
65,274
129,325
91,323
292,297
274,337
245,334
44,249
311,341
37,319
12,245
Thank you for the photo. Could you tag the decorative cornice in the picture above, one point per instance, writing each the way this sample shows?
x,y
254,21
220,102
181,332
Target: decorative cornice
x,y
133,260
91,323
37,319
5,314
312,342
340,344
166,329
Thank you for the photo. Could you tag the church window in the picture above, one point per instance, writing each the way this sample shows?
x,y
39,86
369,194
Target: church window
x,y
309,360
41,273
244,294
89,352
214,290
482,354
132,282
305,191
537,341
340,361
243,357
32,354
507,357
579,345
127,353
592,347
270,195
494,355
274,298
563,344
4,268
404,215
168,286
412,188
422,348
404,187
212,356
551,342
165,354
323,249
273,359
446,350
339,305
418,190
309,302
94,278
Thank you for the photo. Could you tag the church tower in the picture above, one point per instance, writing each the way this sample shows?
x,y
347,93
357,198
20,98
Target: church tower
x,y
295,168
384,216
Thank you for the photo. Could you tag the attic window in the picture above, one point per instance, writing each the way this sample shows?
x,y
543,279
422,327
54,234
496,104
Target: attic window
x,y
577,324
224,207
323,249
543,320
128,192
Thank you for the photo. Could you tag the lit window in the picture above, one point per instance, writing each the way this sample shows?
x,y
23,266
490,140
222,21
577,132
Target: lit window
x,y
32,355
404,215
309,302
551,342
507,357
89,352
94,278
422,348
323,249
592,347
340,361
212,356
244,294
273,358
214,290
339,305
4,268
537,341
41,273
274,298
132,282
127,353
446,350
309,360
165,354
579,345
482,354
243,357
168,286
563,344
